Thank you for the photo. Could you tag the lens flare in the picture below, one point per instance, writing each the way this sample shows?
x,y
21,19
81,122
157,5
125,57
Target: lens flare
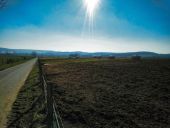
x,y
91,6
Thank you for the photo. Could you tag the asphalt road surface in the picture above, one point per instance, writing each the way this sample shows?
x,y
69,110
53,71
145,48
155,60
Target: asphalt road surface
x,y
11,80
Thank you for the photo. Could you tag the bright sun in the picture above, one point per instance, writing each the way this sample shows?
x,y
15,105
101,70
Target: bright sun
x,y
91,6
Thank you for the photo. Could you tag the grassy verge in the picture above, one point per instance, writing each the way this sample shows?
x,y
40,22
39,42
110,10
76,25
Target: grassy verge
x,y
28,110
10,61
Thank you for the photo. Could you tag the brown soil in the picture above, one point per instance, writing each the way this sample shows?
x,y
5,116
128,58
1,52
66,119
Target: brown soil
x,y
112,93
28,110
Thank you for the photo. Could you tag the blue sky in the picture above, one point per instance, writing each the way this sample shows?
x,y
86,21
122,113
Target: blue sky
x,y
119,25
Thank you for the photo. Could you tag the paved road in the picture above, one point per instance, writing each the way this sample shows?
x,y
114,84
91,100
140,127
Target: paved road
x,y
11,81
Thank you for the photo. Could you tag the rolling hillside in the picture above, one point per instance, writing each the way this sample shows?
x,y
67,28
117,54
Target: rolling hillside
x,y
81,54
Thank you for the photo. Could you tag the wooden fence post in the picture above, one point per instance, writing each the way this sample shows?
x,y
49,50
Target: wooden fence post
x,y
40,72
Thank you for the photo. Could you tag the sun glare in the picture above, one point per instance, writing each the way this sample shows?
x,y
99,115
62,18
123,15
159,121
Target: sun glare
x,y
91,6
89,22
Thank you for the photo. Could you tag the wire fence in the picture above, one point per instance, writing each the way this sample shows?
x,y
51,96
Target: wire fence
x,y
53,117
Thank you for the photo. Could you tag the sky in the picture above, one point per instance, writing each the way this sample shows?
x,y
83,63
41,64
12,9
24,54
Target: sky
x,y
63,25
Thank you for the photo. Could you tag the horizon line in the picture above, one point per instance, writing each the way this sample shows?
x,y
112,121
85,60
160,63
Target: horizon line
x,y
83,51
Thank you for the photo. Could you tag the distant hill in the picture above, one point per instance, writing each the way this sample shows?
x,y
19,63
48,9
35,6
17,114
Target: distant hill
x,y
81,54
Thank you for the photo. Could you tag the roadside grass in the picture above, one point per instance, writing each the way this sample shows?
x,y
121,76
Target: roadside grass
x,y
7,61
29,109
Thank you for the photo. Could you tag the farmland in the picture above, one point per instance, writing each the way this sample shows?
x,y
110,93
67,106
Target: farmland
x,y
98,93
106,93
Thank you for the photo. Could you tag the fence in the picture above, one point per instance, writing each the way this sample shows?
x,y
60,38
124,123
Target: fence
x,y
53,117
